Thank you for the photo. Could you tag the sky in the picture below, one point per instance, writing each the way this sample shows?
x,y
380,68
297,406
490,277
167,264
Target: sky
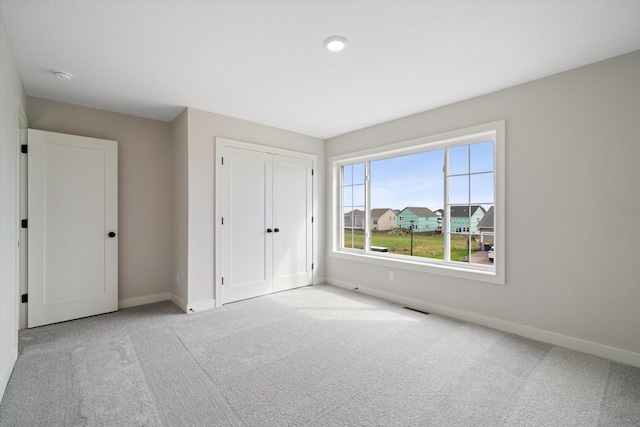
x,y
418,179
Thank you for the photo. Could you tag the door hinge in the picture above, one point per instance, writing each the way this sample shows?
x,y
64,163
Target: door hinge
x,y
312,266
222,280
25,298
222,220
311,219
311,172
24,149
222,160
24,223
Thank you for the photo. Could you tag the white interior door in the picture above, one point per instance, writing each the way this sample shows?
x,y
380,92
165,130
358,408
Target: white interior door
x,y
292,216
72,230
247,229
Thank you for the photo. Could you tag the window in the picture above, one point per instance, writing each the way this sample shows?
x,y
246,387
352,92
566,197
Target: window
x,y
443,185
353,205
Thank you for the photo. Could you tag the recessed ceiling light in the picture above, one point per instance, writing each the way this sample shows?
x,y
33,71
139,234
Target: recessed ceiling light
x,y
335,43
62,75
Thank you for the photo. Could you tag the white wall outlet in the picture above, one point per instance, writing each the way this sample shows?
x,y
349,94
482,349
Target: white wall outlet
x,y
392,275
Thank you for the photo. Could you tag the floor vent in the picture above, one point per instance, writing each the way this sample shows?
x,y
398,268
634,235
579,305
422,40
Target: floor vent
x,y
419,311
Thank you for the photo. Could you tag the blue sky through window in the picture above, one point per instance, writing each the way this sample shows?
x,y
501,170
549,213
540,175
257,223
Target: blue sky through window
x,y
418,179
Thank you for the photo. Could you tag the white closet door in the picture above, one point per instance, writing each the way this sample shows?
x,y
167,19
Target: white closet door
x,y
292,214
73,223
247,214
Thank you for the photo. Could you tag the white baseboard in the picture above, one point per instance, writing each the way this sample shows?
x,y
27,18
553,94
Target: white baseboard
x,y
7,369
193,308
584,346
201,306
181,304
147,299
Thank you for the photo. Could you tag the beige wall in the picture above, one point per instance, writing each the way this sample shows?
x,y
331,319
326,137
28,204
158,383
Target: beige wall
x,y
179,209
573,149
203,128
144,187
11,94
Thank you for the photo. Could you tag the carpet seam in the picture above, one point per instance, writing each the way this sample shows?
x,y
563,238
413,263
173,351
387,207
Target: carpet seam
x,y
234,421
158,407
601,414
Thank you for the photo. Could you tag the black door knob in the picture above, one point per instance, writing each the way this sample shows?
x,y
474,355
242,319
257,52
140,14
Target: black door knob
x,y
112,234
269,230
276,230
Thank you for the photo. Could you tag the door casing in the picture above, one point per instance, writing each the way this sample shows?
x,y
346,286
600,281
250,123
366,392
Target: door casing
x,y
22,125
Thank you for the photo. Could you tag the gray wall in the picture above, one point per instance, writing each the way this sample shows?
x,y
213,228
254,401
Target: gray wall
x,y
572,153
11,93
144,188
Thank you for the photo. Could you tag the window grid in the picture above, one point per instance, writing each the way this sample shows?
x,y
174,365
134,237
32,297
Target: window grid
x,y
492,187
470,201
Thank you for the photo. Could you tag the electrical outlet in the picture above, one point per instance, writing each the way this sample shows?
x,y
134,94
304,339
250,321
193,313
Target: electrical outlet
x,y
392,275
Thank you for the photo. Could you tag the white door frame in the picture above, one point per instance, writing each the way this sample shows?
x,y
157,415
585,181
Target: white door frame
x,y
225,142
22,124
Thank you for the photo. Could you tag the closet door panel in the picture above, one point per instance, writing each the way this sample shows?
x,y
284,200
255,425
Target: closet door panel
x,y
292,217
247,212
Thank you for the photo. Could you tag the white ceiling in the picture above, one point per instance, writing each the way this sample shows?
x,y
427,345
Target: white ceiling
x,y
264,61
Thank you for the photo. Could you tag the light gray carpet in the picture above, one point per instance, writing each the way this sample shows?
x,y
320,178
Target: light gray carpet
x,y
316,356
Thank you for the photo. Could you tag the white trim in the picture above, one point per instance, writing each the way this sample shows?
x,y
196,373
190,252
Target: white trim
x,y
7,369
464,136
315,236
472,272
263,148
225,142
21,137
201,306
577,344
20,119
147,299
178,302
494,274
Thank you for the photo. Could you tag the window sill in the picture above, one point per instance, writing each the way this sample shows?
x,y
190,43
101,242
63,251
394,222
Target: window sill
x,y
477,273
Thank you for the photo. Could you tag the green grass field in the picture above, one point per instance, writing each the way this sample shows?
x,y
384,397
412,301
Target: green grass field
x,y
424,245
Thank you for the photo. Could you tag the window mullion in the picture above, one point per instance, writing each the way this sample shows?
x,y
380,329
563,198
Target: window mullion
x,y
354,220
447,209
342,206
367,206
469,189
341,210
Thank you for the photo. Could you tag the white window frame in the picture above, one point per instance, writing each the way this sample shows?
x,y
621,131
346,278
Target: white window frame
x,y
489,131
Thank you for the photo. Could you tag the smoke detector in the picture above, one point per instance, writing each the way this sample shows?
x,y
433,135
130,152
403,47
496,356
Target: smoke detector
x,y
62,75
